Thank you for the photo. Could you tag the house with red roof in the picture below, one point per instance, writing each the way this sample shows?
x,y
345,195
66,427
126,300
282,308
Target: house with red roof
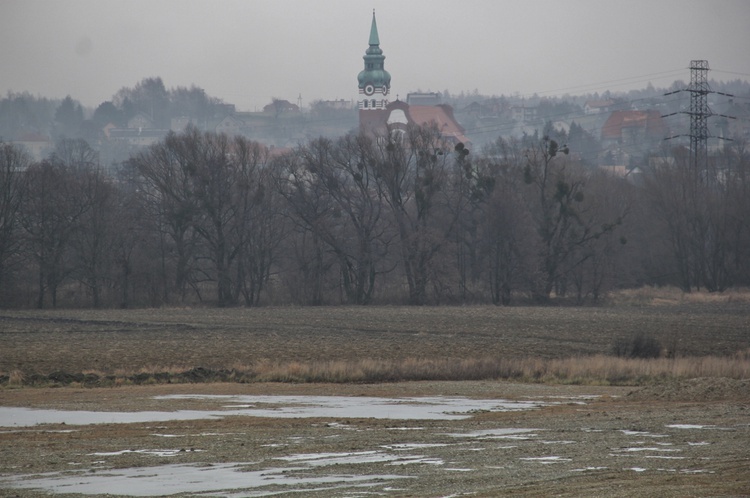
x,y
633,128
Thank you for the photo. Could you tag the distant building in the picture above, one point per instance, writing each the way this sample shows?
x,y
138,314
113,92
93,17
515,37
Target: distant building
x,y
423,98
523,114
35,145
141,121
278,107
598,106
378,116
180,123
137,137
633,128
141,132
230,126
333,105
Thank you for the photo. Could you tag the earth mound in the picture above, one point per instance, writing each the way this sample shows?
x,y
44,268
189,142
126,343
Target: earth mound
x,y
698,389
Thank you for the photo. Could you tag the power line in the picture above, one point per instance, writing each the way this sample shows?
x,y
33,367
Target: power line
x,y
615,82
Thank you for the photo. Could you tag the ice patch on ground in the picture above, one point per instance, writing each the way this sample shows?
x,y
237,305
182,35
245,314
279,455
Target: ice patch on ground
x,y
505,433
420,408
546,459
216,480
160,453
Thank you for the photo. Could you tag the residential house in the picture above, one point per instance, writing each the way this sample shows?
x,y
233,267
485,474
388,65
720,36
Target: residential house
x,y
598,106
523,114
37,146
633,128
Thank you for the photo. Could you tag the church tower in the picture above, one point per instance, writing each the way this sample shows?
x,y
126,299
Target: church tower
x,y
374,80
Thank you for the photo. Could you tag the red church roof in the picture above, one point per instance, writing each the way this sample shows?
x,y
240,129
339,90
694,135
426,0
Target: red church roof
x,y
442,115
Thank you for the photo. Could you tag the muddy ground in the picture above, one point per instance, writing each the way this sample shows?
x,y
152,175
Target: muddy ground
x,y
676,439
672,439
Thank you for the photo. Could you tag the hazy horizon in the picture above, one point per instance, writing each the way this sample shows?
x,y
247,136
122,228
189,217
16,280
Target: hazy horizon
x,y
248,52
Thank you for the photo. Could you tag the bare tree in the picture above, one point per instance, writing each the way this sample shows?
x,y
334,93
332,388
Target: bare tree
x,y
13,164
50,218
333,192
703,209
94,241
261,226
695,206
565,223
507,239
605,260
414,172
166,171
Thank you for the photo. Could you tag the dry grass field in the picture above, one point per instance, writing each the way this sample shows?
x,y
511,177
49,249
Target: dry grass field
x,y
672,426
696,337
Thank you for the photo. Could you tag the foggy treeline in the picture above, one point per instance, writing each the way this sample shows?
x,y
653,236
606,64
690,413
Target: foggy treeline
x,y
405,218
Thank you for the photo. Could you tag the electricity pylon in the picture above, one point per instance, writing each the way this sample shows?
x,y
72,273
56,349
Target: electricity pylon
x,y
699,113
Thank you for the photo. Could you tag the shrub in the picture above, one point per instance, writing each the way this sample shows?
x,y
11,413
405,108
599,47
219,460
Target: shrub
x,y
640,346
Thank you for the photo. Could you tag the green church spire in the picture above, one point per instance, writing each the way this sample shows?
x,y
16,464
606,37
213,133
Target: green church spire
x,y
374,79
374,39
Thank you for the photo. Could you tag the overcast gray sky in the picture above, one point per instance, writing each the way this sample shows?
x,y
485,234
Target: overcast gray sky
x,y
248,51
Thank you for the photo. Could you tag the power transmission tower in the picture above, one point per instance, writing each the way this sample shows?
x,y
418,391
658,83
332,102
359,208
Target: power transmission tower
x,y
699,113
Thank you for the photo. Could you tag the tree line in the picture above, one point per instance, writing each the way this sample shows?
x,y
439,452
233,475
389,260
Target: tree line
x,y
405,218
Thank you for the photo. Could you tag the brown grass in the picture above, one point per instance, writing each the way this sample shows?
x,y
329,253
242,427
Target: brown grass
x,y
671,296
591,370
704,335
598,370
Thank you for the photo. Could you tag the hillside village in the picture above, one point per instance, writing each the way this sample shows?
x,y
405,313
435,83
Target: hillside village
x,y
617,130
612,129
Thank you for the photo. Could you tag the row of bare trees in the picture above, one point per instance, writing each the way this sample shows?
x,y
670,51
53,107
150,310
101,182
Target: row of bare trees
x,y
404,218
703,210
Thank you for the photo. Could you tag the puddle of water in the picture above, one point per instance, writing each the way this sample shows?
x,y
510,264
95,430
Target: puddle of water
x,y
587,469
418,460
426,408
164,480
648,448
642,433
697,427
546,459
415,408
160,453
360,457
508,433
411,446
26,417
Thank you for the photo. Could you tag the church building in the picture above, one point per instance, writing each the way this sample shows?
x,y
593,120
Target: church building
x,y
378,116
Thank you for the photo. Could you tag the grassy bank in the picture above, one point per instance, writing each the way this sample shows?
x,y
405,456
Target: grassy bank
x,y
639,337
593,370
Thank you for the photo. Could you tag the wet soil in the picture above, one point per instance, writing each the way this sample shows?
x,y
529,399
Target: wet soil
x,y
674,439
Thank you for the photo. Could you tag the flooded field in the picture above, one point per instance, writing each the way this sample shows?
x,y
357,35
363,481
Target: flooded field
x,y
425,408
124,403
393,440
